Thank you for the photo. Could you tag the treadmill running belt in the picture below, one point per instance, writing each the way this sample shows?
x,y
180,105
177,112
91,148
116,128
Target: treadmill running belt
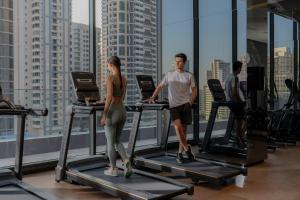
x,y
204,168
12,192
136,182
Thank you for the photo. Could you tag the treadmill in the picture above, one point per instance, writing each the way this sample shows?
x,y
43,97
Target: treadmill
x,y
158,157
89,171
225,148
11,185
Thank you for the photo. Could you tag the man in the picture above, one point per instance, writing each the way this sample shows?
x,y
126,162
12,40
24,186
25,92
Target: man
x,y
232,88
182,92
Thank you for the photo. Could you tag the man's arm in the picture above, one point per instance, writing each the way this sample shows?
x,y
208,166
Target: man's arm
x,y
156,92
194,95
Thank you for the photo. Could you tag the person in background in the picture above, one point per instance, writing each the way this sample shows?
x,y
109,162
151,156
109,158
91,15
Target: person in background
x,y
232,90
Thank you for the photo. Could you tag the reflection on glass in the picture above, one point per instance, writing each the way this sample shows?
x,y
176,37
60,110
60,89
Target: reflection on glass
x,y
283,57
242,37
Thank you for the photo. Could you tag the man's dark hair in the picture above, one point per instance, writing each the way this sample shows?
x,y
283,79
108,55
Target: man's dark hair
x,y
237,65
181,55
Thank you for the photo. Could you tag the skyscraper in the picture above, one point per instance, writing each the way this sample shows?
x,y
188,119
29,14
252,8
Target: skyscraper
x,y
129,30
219,70
42,63
6,62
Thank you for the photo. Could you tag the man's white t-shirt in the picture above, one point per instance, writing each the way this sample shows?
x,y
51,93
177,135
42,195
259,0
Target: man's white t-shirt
x,y
179,87
229,85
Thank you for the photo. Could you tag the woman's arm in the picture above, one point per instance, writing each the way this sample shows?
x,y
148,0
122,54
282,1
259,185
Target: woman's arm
x,y
109,94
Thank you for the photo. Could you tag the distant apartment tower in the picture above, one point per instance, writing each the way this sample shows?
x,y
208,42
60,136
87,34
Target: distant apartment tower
x,y
129,30
79,55
284,69
80,48
219,70
6,62
42,63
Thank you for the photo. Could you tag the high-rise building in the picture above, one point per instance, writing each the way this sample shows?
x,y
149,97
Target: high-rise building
x,y
42,65
79,55
6,62
202,103
219,70
129,30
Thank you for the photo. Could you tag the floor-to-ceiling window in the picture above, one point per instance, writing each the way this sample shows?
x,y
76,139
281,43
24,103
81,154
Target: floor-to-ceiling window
x,y
47,40
177,35
242,36
215,54
129,30
283,57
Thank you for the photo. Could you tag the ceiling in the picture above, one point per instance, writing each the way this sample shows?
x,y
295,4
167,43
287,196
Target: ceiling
x,y
257,15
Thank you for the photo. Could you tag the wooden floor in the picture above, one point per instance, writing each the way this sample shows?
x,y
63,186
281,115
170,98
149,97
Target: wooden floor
x,y
278,178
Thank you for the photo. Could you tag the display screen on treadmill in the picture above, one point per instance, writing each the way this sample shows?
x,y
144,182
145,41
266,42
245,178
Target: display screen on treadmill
x,y
85,86
145,83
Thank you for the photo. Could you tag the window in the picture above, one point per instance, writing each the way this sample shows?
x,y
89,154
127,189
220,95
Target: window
x,y
177,36
283,57
39,86
215,50
126,41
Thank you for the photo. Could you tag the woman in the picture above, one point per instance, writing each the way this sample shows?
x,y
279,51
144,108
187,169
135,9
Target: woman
x,y
114,117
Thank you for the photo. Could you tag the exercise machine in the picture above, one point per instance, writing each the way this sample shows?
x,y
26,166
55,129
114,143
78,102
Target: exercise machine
x,y
159,158
11,184
89,171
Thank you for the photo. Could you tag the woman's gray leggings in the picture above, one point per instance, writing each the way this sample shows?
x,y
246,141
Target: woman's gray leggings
x,y
115,120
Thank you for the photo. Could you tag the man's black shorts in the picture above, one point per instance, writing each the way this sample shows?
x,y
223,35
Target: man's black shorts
x,y
182,112
238,110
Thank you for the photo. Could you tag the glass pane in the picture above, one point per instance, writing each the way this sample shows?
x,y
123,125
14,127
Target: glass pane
x,y
6,79
242,37
128,29
177,37
283,57
215,54
50,39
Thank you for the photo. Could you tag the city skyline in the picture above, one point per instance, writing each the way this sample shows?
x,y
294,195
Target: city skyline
x,y
50,45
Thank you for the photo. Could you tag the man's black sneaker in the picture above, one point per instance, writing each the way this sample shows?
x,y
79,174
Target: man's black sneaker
x,y
190,153
179,158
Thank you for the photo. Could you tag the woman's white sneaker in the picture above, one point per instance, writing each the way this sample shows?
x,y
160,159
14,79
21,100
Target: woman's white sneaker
x,y
111,172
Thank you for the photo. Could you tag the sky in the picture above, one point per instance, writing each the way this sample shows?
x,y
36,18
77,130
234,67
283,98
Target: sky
x,y
80,11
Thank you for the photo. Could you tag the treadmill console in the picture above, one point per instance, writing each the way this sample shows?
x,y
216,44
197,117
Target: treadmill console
x,y
5,104
146,86
86,89
216,90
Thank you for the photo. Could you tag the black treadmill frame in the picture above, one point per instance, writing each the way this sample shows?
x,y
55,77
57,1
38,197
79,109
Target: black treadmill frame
x,y
67,170
14,177
143,158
